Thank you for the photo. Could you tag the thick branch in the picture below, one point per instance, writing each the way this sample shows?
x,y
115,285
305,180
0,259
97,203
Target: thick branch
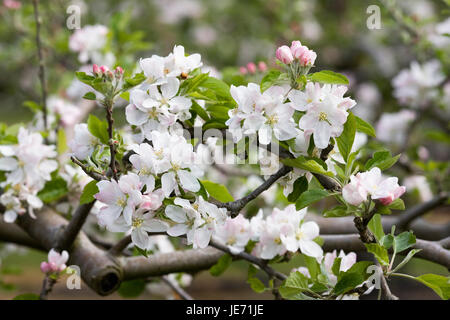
x,y
160,264
70,232
408,216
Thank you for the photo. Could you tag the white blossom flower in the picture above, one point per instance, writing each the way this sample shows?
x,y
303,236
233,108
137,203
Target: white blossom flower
x,y
83,143
234,233
56,261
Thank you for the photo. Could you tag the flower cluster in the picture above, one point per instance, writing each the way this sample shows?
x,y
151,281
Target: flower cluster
x,y
156,104
28,166
297,52
56,262
371,183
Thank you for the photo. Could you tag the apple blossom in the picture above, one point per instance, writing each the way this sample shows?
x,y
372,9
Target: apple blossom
x,y
235,233
83,143
324,120
56,262
372,183
88,42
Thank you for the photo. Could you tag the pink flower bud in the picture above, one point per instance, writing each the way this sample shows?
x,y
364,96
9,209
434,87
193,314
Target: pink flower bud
x,y
308,58
119,71
109,74
12,4
298,50
295,45
45,267
96,69
284,54
262,66
397,193
243,70
251,67
104,69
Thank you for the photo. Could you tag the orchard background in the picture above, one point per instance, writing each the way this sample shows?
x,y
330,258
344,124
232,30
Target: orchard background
x,y
64,63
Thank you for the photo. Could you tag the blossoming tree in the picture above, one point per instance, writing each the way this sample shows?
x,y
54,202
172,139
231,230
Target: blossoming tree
x,y
152,183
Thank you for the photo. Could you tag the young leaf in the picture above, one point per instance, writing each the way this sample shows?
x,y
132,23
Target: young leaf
x,y
376,227
338,211
346,139
403,241
53,190
381,159
406,259
294,285
327,76
440,284
217,191
88,192
348,281
222,264
270,79
98,128
310,165
310,196
364,127
379,252
90,96
300,186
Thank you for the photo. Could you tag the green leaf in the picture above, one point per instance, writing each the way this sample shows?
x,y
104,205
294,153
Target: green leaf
x,y
130,82
348,281
90,96
88,193
376,227
217,191
408,257
200,111
379,252
336,266
62,142
364,127
222,264
346,139
382,160
327,76
85,78
300,186
270,79
256,285
27,296
310,165
359,268
403,241
125,95
310,196
387,241
312,265
33,106
294,286
219,87
98,128
338,211
397,204
440,284
53,190
132,288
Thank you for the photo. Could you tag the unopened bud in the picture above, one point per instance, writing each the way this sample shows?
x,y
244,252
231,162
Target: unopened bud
x,y
262,66
96,70
118,71
243,70
251,67
284,54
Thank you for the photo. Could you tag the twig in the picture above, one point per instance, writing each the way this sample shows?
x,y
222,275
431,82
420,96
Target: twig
x,y
408,216
41,62
120,246
47,287
236,206
251,258
89,171
112,147
71,230
175,287
386,293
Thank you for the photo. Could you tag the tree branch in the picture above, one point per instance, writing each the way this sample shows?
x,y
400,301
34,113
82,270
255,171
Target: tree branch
x,y
175,287
37,18
70,231
89,171
236,206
